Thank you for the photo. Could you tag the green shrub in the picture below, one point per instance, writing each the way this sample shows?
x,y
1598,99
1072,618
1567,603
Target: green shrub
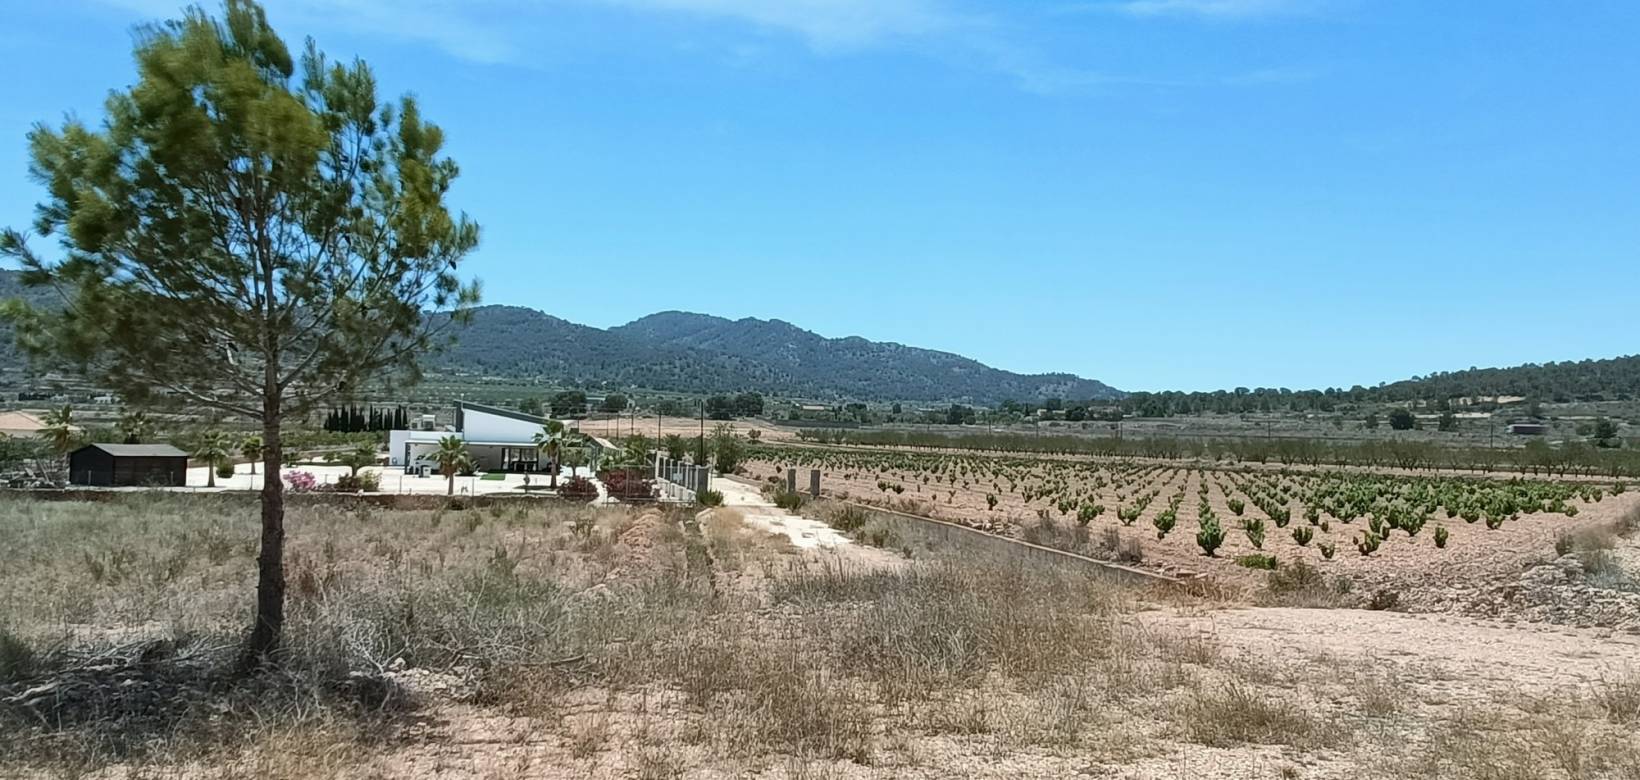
x,y
1210,536
1087,513
709,498
1128,514
1368,543
1164,521
224,471
1327,550
1298,577
1254,528
849,518
789,500
364,481
1303,534
1441,535
1282,516
1258,561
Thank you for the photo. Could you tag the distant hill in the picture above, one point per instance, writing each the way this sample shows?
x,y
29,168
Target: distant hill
x,y
854,367
698,353
512,341
1609,379
684,352
1571,380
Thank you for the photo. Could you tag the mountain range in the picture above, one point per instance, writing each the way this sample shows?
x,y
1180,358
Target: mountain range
x,y
698,353
685,352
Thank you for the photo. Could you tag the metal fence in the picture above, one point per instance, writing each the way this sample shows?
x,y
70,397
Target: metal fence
x,y
680,480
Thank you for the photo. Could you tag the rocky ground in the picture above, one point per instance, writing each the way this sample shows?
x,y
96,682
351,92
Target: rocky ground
x,y
1563,592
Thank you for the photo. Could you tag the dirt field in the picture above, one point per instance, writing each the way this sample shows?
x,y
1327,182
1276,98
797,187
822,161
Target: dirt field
x,y
1473,550
579,643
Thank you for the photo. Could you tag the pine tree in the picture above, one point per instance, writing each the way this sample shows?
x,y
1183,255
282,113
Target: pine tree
x,y
248,231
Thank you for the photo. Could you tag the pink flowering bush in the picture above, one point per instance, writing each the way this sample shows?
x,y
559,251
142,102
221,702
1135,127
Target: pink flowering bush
x,y
301,481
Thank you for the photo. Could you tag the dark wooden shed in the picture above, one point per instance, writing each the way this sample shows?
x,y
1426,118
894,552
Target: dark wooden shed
x,y
128,465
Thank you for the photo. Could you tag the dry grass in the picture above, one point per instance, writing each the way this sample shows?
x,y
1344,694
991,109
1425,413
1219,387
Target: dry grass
x,y
1496,745
651,643
1300,584
1619,698
1236,711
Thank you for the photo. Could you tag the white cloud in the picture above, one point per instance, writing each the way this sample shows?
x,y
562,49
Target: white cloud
x,y
1213,9
464,29
825,24
497,30
508,31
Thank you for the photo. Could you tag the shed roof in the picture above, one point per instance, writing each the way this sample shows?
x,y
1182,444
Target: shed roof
x,y
138,450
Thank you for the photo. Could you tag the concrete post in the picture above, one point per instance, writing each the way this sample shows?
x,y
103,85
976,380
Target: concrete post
x,y
791,480
814,483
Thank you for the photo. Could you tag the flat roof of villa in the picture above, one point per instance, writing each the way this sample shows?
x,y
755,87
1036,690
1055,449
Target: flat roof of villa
x,y
473,443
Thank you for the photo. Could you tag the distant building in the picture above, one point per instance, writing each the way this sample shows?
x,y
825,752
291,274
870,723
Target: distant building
x,y
128,465
25,425
1528,429
497,440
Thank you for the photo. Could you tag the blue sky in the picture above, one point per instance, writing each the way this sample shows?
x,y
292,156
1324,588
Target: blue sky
x,y
1186,194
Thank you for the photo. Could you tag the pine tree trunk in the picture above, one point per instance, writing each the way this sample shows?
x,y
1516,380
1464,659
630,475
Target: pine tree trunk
x,y
270,582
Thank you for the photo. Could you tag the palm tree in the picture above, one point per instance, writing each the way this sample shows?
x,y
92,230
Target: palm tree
x,y
136,427
213,448
574,458
635,452
676,448
551,441
60,429
452,457
251,448
359,457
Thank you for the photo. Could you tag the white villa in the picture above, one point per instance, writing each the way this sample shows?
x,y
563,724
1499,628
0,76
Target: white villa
x,y
497,439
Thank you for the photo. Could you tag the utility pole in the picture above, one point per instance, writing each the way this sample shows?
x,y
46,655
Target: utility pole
x,y
702,460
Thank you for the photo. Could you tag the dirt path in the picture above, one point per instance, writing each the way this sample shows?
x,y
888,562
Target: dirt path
x,y
761,513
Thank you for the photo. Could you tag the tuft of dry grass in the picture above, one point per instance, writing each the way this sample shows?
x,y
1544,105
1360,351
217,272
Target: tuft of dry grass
x,y
1619,698
1235,711
588,734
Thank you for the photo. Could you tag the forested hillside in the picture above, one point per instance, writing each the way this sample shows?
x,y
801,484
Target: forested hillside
x,y
685,352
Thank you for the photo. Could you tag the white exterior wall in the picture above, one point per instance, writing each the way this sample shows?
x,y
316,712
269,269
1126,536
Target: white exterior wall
x,y
478,426
397,439
481,426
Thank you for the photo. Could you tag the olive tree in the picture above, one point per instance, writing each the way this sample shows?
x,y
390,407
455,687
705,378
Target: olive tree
x,y
246,231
